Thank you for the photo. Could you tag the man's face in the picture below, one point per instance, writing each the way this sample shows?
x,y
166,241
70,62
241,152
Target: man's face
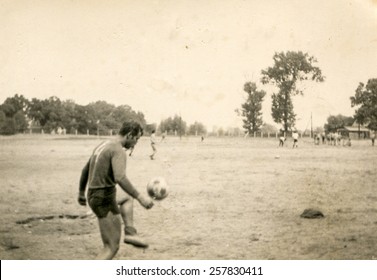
x,y
131,141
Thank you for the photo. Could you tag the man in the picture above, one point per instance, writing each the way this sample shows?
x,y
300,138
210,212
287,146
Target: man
x,y
323,135
373,137
317,138
281,141
153,144
295,139
126,210
106,168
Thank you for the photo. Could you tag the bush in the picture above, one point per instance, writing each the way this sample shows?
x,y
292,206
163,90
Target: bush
x,y
8,127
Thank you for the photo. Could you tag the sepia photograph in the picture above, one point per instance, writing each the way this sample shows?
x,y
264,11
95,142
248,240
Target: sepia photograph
x,y
188,130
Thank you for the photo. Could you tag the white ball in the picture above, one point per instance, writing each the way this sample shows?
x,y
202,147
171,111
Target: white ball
x,y
158,188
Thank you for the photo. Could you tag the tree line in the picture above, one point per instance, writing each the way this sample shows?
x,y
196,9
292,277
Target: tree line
x,y
288,71
20,115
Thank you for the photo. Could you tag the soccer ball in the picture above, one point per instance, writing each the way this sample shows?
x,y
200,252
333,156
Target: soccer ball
x,y
157,188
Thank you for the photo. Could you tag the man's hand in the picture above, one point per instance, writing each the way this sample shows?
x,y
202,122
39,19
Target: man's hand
x,y
82,200
146,202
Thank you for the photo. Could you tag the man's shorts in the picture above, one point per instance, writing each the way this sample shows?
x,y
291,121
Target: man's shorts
x,y
102,201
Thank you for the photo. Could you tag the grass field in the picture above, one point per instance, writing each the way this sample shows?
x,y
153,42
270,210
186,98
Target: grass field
x,y
230,198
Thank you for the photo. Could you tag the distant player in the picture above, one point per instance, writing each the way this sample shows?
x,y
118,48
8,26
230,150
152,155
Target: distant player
x,y
106,168
317,139
281,141
373,137
153,144
323,136
349,142
163,137
295,139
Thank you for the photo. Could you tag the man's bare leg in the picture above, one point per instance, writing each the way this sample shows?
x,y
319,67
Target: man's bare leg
x,y
126,207
110,229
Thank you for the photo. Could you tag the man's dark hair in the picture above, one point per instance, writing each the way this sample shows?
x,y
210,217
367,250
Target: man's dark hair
x,y
131,126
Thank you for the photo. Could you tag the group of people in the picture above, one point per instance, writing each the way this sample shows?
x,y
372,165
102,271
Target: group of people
x,y
104,171
295,137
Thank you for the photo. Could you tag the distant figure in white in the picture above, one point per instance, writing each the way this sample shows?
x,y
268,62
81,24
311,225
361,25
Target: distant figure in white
x,y
153,144
323,135
295,139
317,139
281,141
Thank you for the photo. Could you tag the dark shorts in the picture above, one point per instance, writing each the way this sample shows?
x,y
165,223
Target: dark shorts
x,y
102,201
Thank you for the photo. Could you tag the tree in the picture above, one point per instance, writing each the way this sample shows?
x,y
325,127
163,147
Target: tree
x,y
69,115
2,121
8,127
197,128
125,112
49,113
289,69
365,100
14,104
251,109
15,110
269,128
21,123
336,122
52,113
175,125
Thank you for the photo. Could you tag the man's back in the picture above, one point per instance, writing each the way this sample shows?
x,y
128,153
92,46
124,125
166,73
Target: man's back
x,y
107,165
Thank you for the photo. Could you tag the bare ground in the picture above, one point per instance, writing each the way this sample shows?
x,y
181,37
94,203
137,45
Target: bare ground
x,y
230,198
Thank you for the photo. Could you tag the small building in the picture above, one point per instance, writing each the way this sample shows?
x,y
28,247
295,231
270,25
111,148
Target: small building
x,y
356,131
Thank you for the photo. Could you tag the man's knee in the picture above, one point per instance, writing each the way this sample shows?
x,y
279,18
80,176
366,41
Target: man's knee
x,y
124,199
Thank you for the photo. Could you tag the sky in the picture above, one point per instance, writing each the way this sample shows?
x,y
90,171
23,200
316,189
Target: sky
x,y
188,57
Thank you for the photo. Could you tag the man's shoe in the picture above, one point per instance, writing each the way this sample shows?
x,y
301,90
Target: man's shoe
x,y
135,240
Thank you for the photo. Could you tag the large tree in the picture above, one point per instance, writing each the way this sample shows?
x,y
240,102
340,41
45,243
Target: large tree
x,y
365,100
197,128
336,122
251,110
15,109
49,113
288,70
14,104
175,125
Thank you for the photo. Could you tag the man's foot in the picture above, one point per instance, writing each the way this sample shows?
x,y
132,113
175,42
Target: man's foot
x,y
135,240
151,157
